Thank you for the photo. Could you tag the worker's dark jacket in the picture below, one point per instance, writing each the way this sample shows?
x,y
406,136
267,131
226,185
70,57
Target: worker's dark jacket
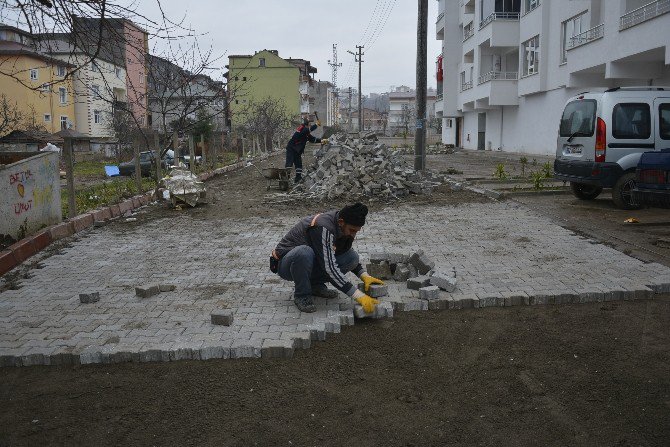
x,y
300,138
326,240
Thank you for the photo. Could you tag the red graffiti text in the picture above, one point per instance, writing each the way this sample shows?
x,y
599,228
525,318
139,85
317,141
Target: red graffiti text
x,y
22,207
19,177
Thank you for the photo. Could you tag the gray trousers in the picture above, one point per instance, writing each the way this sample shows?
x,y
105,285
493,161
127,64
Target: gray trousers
x,y
299,265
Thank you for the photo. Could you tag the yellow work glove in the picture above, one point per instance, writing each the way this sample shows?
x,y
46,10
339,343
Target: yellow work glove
x,y
367,302
369,280
318,123
324,140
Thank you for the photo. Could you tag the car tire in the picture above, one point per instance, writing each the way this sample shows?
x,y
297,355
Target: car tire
x,y
585,191
622,194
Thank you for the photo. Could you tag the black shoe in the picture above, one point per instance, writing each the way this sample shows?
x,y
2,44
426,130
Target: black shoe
x,y
324,292
305,304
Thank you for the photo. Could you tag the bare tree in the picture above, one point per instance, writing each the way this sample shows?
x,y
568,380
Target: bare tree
x,y
10,115
267,119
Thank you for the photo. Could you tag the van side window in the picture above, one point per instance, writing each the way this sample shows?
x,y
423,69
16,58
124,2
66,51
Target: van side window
x,y
631,121
664,121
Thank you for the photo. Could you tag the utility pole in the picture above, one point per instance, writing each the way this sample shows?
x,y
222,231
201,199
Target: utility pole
x,y
359,58
334,66
421,84
350,109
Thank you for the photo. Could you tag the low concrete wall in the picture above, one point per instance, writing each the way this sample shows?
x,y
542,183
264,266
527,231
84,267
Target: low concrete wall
x,y
29,192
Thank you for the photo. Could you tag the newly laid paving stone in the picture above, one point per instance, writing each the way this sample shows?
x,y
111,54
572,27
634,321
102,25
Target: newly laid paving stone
x,y
147,291
87,298
429,293
222,317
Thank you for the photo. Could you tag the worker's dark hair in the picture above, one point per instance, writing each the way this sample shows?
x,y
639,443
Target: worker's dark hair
x,y
354,214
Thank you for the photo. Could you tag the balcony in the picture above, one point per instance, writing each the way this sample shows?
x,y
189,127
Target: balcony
x,y
439,27
440,17
468,31
595,33
498,76
644,13
511,16
466,86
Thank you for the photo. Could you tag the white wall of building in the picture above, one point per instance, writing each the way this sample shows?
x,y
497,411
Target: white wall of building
x,y
522,112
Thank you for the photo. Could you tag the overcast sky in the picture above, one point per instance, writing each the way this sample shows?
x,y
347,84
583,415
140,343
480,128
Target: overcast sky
x,y
308,30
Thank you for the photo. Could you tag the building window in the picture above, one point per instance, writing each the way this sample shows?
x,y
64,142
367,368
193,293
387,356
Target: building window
x,y
261,62
45,88
97,117
63,122
529,5
62,95
531,56
244,78
47,118
34,74
569,29
631,121
60,71
96,90
236,78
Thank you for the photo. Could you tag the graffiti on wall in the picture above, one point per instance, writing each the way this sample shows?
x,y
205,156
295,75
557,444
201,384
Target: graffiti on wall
x,y
31,193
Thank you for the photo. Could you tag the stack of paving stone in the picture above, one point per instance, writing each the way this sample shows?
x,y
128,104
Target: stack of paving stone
x,y
360,167
417,270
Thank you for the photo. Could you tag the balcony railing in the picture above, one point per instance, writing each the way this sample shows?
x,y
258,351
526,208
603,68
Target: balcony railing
x,y
644,13
498,76
468,31
499,16
439,17
466,86
597,32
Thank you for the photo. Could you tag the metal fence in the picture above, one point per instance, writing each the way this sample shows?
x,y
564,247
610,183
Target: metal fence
x,y
498,76
498,16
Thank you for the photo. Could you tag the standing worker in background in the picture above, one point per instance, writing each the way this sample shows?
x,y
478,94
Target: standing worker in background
x,y
296,145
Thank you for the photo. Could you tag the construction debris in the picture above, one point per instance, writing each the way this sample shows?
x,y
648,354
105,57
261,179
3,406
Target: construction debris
x,y
361,167
184,186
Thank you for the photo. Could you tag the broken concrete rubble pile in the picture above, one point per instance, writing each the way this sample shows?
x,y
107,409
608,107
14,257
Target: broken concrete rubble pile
x,y
417,270
360,167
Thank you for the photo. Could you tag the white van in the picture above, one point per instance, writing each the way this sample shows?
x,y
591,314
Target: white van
x,y
602,136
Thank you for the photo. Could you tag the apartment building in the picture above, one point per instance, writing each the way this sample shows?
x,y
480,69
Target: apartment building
x,y
509,66
99,87
402,109
253,78
123,43
37,84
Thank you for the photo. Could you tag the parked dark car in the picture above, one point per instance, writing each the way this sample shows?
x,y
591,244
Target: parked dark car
x,y
652,179
147,165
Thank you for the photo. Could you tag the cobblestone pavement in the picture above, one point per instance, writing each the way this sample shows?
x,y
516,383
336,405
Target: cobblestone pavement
x,y
503,254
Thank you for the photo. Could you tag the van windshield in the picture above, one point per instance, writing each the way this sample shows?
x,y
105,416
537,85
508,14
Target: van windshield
x,y
578,119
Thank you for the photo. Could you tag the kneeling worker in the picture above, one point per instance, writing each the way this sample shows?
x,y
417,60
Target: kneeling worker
x,y
318,250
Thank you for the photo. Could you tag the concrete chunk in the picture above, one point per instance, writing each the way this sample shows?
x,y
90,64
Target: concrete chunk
x,y
147,291
222,317
422,263
444,282
377,290
87,298
429,293
379,271
401,273
418,282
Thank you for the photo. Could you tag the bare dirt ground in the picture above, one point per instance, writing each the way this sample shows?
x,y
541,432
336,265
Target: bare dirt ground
x,y
583,375
579,375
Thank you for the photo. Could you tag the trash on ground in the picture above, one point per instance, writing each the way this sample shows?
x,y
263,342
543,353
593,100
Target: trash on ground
x,y
184,186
